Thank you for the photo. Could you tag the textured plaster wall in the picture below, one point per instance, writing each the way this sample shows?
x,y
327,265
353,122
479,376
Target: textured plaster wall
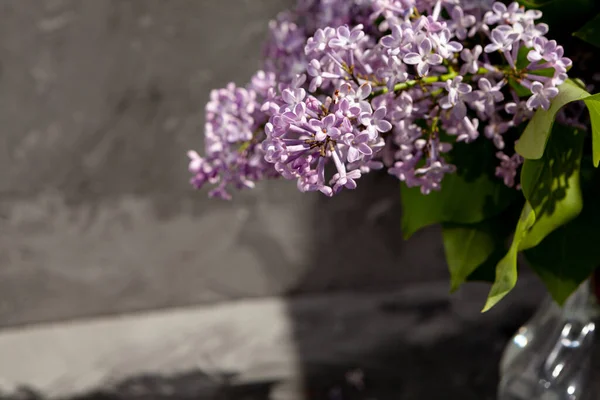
x,y
99,101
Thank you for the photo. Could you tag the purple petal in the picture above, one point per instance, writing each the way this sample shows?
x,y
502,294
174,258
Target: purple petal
x,y
335,42
460,111
343,31
425,46
545,103
445,103
315,123
499,8
497,36
536,87
365,149
299,110
315,83
551,92
457,13
326,190
388,41
334,133
361,138
490,48
383,126
363,91
365,118
348,138
380,113
356,35
329,121
434,59
533,102
423,68
454,46
412,58
353,154
288,96
534,56
485,85
463,88
320,136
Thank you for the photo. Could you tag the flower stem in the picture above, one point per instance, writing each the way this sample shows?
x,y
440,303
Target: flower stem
x,y
424,81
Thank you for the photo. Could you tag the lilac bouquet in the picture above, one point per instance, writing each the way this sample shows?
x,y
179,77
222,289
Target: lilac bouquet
x,y
457,99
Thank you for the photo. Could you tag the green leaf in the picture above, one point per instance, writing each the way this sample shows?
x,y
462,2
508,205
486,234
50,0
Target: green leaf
x,y
590,32
533,141
522,61
459,201
506,270
486,272
593,105
553,198
535,3
473,250
552,184
521,90
567,257
466,248
469,196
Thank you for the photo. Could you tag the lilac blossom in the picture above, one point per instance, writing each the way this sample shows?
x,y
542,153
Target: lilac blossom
x,y
355,86
507,170
345,38
501,40
233,157
541,96
444,46
487,96
462,22
455,98
394,41
471,60
375,122
424,59
315,133
393,72
502,14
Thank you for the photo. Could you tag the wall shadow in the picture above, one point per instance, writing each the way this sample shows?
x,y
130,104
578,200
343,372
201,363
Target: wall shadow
x,y
358,249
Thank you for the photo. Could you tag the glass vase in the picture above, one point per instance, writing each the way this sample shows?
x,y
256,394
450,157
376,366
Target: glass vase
x,y
551,356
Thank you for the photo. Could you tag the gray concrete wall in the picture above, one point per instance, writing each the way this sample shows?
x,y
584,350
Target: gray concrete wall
x,y
99,101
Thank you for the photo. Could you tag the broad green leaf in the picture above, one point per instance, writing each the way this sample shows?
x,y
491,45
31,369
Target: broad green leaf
x,y
473,250
552,184
469,196
533,141
519,89
551,187
590,32
566,257
466,248
506,270
486,272
459,201
522,61
593,105
535,3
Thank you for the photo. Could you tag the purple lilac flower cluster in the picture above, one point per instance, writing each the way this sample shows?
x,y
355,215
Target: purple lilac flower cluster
x,y
366,85
233,131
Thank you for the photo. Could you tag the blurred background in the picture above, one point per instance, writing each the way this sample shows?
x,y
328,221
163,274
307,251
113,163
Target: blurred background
x,y
118,280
